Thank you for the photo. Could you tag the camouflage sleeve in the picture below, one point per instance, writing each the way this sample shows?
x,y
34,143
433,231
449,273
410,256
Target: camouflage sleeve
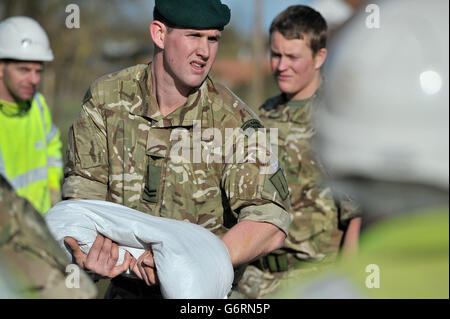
x,y
86,169
33,260
254,183
348,207
348,210
269,213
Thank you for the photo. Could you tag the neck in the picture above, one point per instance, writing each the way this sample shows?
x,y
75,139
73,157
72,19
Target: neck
x,y
169,95
307,91
13,108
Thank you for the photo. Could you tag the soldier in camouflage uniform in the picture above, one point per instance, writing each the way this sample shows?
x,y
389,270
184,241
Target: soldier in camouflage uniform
x,y
31,258
132,146
396,166
298,41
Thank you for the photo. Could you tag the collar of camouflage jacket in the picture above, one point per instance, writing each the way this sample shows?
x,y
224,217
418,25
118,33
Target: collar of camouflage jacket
x,y
184,116
297,111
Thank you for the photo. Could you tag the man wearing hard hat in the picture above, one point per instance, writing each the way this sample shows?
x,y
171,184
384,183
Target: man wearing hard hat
x,y
30,147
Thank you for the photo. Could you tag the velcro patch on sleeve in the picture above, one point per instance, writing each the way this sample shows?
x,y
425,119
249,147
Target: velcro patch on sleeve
x,y
279,181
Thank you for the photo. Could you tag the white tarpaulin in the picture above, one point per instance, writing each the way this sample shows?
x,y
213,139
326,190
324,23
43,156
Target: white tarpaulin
x,y
191,261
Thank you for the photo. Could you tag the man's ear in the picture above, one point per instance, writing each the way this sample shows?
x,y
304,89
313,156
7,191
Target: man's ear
x,y
158,32
320,57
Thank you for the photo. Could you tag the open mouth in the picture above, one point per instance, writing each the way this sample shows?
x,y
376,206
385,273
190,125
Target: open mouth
x,y
198,66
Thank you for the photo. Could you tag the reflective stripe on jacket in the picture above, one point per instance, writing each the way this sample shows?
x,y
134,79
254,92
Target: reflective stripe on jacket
x,y
30,153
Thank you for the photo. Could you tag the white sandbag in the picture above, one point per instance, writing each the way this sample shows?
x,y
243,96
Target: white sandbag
x,y
191,261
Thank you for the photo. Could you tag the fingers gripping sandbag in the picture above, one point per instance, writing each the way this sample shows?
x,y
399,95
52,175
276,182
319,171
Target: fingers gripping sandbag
x,y
191,261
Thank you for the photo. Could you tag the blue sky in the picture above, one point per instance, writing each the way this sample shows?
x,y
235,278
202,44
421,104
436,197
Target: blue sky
x,y
242,12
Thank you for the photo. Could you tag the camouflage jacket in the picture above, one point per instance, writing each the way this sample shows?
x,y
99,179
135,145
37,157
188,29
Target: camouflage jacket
x,y
314,230
123,150
35,264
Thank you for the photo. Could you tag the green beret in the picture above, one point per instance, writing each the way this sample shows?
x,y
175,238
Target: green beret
x,y
194,14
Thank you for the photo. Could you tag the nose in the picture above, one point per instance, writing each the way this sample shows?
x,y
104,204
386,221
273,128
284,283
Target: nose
x,y
203,49
282,64
34,78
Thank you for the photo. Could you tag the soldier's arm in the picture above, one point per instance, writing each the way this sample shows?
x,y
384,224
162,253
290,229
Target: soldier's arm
x,y
86,169
351,238
258,195
86,177
35,262
249,240
350,218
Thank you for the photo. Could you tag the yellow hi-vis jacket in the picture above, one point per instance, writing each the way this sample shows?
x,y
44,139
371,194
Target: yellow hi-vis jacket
x,y
30,152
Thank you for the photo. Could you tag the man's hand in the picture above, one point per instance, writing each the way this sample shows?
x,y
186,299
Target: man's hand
x,y
145,268
102,257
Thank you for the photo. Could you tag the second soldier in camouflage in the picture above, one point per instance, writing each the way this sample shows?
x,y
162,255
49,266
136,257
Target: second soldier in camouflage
x,y
298,50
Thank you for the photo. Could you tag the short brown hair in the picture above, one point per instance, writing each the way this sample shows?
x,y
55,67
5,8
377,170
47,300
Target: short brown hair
x,y
299,21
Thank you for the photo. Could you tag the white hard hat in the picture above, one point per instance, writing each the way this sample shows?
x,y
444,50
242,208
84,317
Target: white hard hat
x,y
22,38
385,109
